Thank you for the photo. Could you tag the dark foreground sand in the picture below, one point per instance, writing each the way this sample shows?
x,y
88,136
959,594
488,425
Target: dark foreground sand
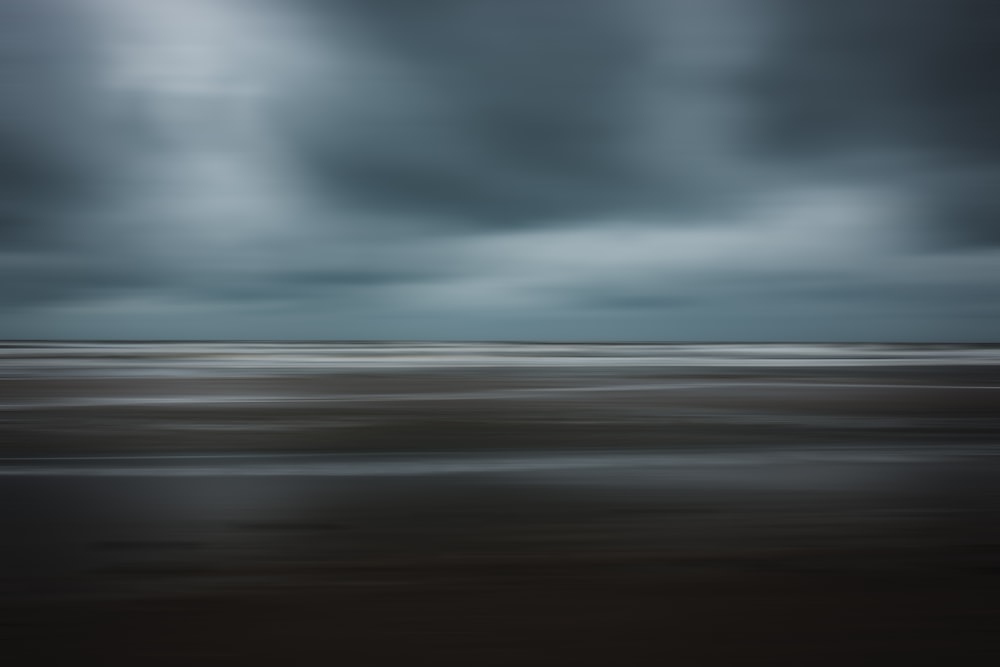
x,y
793,517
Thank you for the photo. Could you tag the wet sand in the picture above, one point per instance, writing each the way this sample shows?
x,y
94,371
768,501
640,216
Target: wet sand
x,y
727,516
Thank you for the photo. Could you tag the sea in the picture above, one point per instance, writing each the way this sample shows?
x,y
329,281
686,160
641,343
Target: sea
x,y
240,358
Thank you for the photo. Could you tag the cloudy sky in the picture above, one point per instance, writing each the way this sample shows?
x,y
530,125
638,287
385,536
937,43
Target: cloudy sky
x,y
500,169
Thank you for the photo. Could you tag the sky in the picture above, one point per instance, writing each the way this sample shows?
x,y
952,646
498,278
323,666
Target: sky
x,y
707,170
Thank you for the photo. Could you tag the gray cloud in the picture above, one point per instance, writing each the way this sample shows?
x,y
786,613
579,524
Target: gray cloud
x,y
960,207
549,110
519,112
915,80
526,165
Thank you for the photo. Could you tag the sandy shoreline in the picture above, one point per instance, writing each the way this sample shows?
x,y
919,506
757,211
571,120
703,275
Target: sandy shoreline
x,y
515,408
769,517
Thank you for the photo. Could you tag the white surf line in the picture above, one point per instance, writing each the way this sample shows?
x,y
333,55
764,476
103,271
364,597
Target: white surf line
x,y
465,395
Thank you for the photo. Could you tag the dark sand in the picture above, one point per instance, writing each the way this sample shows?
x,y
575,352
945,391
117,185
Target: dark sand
x,y
720,517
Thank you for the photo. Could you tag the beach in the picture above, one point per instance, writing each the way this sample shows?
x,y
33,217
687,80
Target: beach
x,y
496,504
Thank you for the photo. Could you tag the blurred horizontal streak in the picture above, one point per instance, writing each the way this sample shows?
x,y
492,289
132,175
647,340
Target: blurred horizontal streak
x,y
471,395
666,467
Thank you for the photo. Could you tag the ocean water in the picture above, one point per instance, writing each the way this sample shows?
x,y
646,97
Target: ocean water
x,y
178,359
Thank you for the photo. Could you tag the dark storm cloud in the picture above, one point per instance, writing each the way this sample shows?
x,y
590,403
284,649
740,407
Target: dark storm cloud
x,y
915,78
548,110
56,147
56,144
532,116
960,207
66,278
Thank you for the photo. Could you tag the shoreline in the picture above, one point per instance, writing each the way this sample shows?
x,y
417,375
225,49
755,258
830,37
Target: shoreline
x,y
523,517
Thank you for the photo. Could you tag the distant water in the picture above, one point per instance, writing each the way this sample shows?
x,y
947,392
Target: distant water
x,y
180,359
